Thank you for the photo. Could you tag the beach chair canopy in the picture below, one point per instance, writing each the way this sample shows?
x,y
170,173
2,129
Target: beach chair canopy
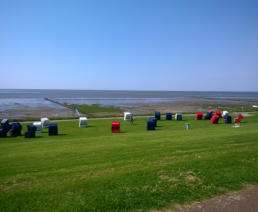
x,y
128,116
83,122
4,121
44,122
218,113
115,127
225,113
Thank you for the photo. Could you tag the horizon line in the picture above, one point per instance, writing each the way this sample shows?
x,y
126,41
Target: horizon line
x,y
126,90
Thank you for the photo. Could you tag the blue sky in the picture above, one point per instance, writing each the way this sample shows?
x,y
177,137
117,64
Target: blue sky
x,y
129,44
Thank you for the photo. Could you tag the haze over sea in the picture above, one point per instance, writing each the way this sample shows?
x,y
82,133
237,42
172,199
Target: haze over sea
x,y
32,98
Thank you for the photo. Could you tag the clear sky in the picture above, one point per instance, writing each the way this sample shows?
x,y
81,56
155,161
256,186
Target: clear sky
x,y
129,44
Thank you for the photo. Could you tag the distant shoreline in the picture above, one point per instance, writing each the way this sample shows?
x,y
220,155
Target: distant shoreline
x,y
117,90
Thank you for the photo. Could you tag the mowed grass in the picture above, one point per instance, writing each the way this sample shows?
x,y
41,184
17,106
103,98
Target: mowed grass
x,y
91,169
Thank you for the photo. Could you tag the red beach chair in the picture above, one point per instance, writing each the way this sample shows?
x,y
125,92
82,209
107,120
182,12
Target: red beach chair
x,y
115,127
215,119
218,113
199,115
239,118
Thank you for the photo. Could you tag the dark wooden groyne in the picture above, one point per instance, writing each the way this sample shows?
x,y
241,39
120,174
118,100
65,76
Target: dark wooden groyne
x,y
58,103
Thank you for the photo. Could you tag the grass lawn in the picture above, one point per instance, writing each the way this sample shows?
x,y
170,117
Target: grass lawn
x,y
90,169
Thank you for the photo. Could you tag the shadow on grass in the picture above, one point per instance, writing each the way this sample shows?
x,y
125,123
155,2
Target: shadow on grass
x,y
61,134
89,126
121,132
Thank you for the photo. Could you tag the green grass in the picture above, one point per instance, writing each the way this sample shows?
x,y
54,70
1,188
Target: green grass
x,y
90,169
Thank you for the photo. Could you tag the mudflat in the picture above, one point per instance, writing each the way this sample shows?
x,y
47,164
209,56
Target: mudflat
x,y
137,109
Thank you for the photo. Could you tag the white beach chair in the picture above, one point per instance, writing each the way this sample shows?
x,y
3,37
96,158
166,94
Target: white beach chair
x,y
128,116
44,122
225,113
38,125
83,122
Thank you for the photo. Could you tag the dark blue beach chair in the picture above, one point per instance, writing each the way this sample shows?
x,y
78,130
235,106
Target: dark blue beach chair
x,y
15,129
228,119
5,125
208,116
179,117
151,124
168,116
31,131
2,133
52,129
155,120
157,115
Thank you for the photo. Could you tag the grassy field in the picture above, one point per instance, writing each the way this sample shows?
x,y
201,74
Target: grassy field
x,y
90,169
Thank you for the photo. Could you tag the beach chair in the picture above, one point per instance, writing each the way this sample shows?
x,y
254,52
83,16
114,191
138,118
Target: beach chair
x,y
128,117
44,122
227,119
5,125
239,118
52,129
218,113
168,116
115,127
199,116
3,133
155,120
15,129
157,115
83,122
178,117
38,125
215,119
208,115
151,124
31,131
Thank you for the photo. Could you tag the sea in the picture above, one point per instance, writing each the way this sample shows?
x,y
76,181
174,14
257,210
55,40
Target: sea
x,y
32,98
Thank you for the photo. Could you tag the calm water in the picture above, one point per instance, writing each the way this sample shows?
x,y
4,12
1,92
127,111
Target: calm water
x,y
12,98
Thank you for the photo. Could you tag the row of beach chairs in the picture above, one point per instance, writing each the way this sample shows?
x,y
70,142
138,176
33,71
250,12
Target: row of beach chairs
x,y
15,129
214,117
